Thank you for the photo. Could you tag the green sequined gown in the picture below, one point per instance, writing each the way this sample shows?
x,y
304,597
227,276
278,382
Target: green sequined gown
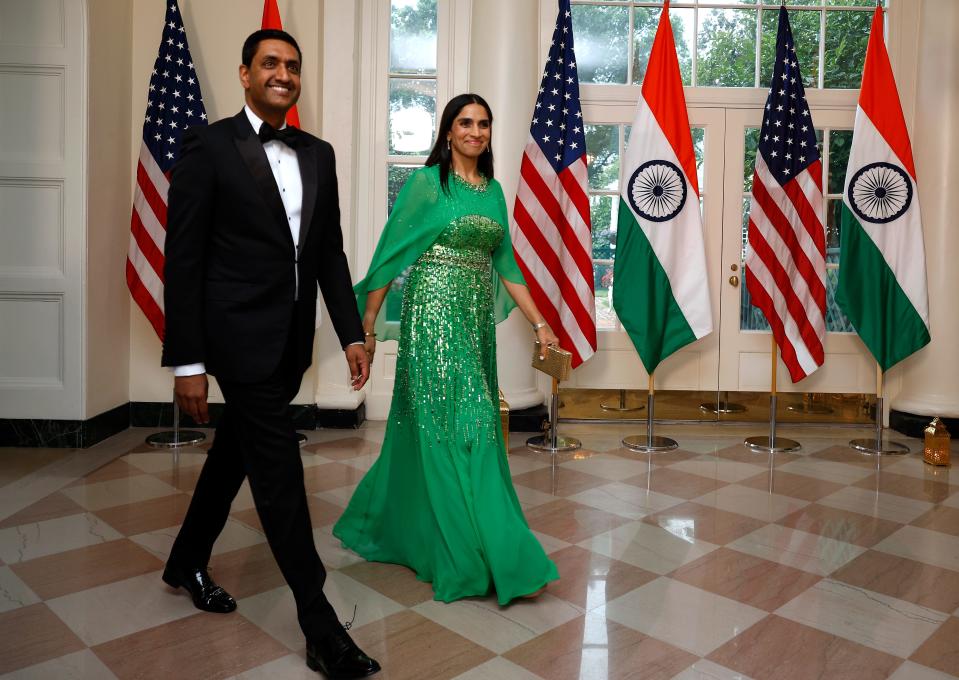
x,y
439,499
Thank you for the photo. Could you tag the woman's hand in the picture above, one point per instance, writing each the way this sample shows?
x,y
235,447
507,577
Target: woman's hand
x,y
546,337
369,344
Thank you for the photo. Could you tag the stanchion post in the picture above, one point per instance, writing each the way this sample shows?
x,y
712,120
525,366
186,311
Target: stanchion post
x,y
652,443
552,442
772,444
878,447
175,438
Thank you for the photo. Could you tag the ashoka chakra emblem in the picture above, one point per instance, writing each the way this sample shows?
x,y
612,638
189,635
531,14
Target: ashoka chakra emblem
x,y
657,190
880,192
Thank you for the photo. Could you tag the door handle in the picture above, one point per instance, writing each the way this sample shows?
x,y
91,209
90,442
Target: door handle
x,y
734,281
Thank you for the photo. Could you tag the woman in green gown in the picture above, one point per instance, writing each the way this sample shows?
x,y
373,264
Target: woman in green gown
x,y
439,499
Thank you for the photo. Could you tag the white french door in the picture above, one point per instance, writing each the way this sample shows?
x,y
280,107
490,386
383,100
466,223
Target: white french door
x,y
736,355
745,354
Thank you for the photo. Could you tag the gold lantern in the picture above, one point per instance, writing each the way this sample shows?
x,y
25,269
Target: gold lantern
x,y
936,450
504,416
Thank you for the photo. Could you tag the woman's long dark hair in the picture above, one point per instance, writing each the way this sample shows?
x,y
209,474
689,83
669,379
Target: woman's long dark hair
x,y
441,154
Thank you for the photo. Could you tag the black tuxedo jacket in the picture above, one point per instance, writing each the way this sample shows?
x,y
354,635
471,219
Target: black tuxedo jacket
x,y
232,272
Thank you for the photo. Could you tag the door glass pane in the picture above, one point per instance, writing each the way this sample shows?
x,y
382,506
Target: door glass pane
x,y
602,156
413,36
645,22
847,34
602,36
396,177
840,142
749,161
833,229
836,321
727,48
805,27
604,244
699,148
412,116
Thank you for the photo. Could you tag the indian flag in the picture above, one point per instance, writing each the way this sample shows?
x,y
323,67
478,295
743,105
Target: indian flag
x,y
882,266
660,291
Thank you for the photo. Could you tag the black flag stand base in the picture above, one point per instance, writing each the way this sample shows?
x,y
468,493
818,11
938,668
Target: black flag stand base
x,y
175,438
651,443
878,446
551,441
772,443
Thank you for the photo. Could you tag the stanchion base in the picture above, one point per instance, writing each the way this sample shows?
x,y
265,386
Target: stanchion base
x,y
717,407
542,443
301,439
172,439
883,447
779,445
810,409
620,409
640,442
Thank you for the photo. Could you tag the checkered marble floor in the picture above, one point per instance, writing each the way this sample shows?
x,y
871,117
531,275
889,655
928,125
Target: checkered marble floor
x,y
708,562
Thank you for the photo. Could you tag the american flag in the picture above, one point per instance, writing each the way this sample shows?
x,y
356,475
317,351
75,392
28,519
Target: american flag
x,y
786,257
551,224
174,104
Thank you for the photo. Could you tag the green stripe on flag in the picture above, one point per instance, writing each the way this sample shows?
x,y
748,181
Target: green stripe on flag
x,y
871,297
642,296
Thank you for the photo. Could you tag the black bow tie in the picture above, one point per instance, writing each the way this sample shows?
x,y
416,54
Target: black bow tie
x,y
287,135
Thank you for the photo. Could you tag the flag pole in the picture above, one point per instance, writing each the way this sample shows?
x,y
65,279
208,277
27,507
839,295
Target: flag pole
x,y
650,443
551,441
876,446
175,438
772,444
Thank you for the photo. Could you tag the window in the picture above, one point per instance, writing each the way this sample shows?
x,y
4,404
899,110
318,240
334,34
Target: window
x,y
411,118
604,149
412,89
723,43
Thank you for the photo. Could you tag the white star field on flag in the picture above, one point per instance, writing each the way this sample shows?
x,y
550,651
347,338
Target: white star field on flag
x,y
557,124
174,102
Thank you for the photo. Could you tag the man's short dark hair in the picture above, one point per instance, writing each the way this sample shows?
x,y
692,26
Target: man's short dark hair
x,y
252,43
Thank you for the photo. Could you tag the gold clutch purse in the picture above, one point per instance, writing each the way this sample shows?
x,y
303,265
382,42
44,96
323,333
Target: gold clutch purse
x,y
555,362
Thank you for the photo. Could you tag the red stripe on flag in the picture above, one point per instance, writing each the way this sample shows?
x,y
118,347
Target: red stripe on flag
x,y
151,194
797,310
151,251
145,300
786,232
663,92
552,263
761,300
549,312
879,96
576,193
808,215
553,210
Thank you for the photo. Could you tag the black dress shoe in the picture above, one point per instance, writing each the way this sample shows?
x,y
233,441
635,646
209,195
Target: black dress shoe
x,y
206,594
338,657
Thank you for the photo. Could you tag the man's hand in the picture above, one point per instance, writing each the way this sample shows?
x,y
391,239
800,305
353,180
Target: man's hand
x,y
359,364
190,392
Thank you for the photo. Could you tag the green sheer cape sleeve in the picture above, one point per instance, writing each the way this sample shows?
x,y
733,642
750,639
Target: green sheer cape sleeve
x,y
421,212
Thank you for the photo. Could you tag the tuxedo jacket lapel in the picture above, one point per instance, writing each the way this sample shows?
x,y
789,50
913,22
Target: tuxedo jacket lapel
x,y
306,155
254,157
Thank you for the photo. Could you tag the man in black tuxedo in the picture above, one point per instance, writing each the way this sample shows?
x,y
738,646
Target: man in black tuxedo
x,y
253,225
